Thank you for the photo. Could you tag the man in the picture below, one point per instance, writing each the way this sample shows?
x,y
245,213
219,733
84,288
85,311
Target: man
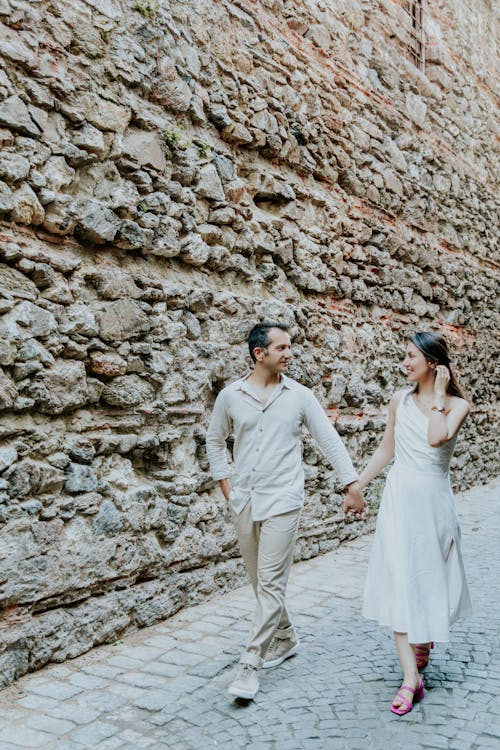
x,y
265,412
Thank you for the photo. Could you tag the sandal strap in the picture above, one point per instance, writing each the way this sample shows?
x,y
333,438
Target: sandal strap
x,y
424,646
407,687
403,698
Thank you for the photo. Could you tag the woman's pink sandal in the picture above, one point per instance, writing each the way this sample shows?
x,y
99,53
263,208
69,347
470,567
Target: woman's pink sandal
x,y
422,653
406,707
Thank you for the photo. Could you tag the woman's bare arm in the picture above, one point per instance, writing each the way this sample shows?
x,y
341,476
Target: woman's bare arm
x,y
385,451
445,423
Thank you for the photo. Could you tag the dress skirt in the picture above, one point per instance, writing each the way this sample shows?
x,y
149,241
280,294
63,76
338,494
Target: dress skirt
x,y
416,581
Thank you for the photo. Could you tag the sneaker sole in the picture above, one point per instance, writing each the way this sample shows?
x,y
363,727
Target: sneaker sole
x,y
245,694
276,662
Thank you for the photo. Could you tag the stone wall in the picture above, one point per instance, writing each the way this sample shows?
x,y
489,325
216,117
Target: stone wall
x,y
169,173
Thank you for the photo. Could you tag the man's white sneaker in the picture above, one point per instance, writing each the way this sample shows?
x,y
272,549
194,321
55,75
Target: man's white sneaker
x,y
246,683
279,650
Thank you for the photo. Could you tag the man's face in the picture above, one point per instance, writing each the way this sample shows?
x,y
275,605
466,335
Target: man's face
x,y
277,355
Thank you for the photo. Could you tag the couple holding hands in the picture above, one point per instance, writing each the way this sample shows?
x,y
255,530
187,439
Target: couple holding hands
x,y
416,583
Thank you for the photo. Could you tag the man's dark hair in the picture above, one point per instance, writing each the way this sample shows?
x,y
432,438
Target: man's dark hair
x,y
259,335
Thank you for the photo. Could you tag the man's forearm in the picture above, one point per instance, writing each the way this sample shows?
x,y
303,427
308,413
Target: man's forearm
x,y
217,433
339,459
330,442
336,454
217,454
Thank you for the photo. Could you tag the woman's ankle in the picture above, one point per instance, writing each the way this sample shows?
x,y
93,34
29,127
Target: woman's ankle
x,y
411,678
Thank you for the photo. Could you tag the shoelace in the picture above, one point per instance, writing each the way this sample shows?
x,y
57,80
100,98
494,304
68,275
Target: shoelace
x,y
245,669
273,647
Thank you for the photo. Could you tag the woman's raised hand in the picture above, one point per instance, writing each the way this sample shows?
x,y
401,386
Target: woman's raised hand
x,y
442,380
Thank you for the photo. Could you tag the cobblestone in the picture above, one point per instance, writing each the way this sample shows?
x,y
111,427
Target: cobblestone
x,y
49,724
56,690
164,687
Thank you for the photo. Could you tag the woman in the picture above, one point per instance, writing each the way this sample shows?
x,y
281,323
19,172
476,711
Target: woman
x,y
416,582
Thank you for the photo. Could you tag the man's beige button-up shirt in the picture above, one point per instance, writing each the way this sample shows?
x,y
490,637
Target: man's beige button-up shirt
x,y
268,469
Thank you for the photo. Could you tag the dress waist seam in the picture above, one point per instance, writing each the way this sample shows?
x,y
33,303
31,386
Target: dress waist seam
x,y
428,472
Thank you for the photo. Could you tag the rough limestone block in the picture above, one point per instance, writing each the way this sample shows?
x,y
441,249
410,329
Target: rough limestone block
x,y
108,521
14,47
91,139
107,364
194,250
57,173
13,167
80,478
62,388
114,283
31,478
15,114
60,216
131,236
171,90
121,320
416,108
27,208
127,390
78,319
144,147
8,392
98,223
209,184
6,199
8,351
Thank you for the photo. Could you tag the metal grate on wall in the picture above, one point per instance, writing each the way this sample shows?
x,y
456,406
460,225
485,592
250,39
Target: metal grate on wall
x,y
413,36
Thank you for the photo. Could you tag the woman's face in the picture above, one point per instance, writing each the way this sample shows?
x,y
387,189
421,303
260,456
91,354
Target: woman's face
x,y
415,364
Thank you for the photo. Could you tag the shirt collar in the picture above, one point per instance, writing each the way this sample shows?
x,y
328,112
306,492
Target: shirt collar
x,y
285,381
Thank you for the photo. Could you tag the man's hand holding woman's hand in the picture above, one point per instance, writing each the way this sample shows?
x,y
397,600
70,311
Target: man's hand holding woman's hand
x,y
353,500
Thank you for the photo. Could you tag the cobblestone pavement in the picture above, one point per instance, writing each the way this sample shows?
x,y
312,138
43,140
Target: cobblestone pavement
x,y
166,686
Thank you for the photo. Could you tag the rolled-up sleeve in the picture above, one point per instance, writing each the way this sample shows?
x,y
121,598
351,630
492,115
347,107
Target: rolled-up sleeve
x,y
329,440
217,433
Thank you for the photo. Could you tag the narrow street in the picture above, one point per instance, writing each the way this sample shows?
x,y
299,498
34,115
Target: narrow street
x,y
166,686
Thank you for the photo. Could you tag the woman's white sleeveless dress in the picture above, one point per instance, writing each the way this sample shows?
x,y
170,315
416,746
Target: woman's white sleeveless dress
x,y
416,581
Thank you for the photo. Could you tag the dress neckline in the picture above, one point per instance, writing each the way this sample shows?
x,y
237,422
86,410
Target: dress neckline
x,y
417,407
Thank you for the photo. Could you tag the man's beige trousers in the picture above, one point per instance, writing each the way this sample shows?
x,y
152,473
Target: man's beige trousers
x,y
267,551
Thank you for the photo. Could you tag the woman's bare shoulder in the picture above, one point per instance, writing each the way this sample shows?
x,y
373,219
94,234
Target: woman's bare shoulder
x,y
459,404
398,395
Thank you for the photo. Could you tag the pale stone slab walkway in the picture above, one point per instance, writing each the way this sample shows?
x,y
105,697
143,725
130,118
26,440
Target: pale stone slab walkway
x,y
165,687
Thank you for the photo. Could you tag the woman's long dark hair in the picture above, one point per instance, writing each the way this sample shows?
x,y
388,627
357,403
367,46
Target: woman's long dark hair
x,y
434,347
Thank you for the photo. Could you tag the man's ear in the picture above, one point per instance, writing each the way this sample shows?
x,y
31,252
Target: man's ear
x,y
259,353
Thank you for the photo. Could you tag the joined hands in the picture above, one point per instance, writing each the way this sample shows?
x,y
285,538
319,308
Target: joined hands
x,y
354,501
